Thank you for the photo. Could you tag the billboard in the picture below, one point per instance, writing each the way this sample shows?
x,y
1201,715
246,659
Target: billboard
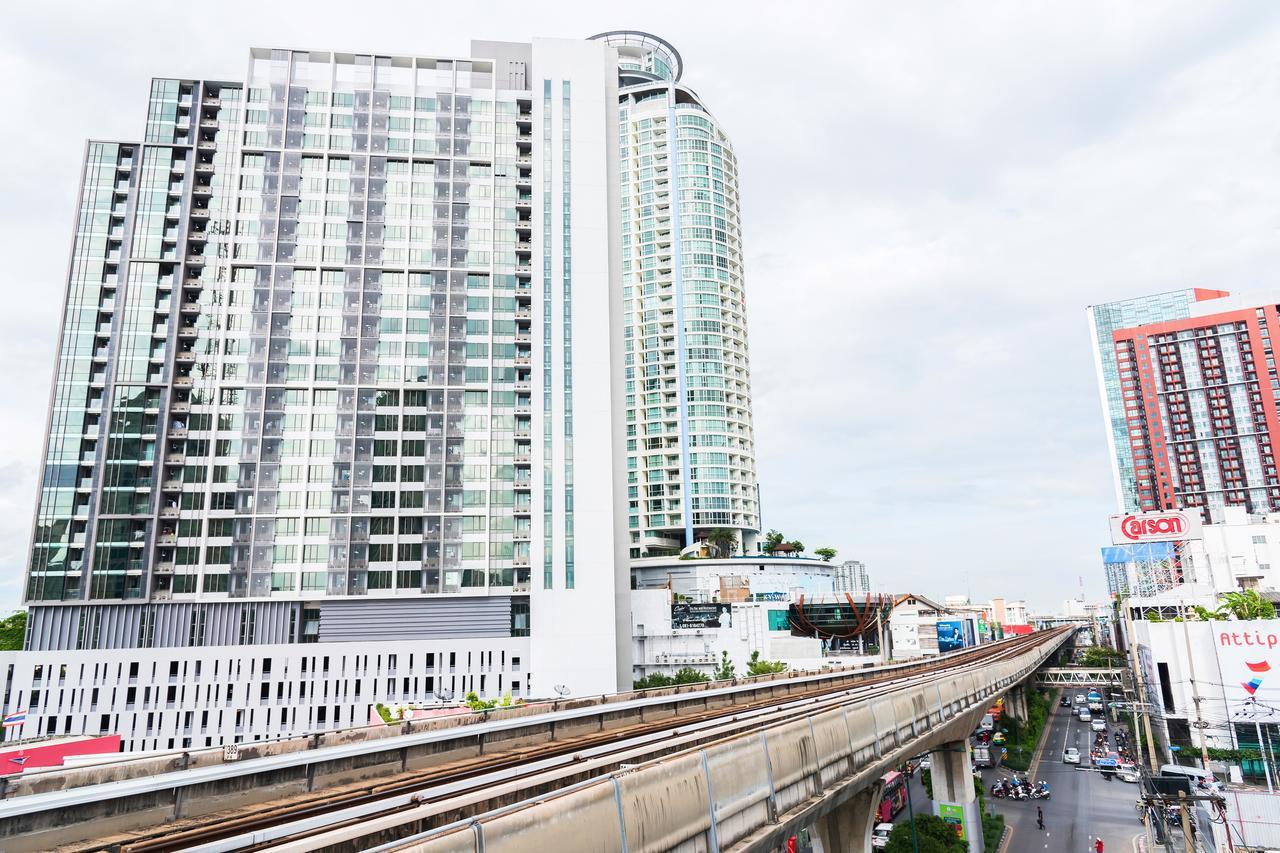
x,y
952,814
1249,659
1165,526
701,616
950,635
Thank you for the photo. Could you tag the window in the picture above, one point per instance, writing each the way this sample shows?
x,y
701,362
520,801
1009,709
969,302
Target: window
x,y
1259,540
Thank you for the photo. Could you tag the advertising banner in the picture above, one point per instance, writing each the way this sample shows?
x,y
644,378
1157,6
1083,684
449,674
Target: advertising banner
x,y
950,635
1249,658
701,616
1164,526
952,814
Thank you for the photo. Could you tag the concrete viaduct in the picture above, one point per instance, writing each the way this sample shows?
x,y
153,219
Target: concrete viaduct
x,y
718,767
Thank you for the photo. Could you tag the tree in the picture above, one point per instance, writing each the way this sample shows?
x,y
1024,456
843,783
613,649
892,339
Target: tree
x,y
652,680
755,666
13,630
1235,605
725,671
689,675
772,540
827,554
797,545
723,540
1248,605
1100,656
474,702
933,834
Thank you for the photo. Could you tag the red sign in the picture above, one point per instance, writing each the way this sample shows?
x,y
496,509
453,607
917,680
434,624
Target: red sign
x,y
1155,527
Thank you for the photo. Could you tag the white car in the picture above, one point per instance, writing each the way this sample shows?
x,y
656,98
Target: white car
x,y
880,835
1079,698
1071,755
1127,773
1098,725
1085,716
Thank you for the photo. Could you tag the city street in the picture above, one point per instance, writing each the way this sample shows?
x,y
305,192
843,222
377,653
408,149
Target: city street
x,y
1083,804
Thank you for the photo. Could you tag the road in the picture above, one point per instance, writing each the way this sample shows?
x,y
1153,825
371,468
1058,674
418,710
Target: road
x,y
1083,806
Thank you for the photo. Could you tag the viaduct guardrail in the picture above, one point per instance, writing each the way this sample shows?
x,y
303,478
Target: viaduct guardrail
x,y
119,806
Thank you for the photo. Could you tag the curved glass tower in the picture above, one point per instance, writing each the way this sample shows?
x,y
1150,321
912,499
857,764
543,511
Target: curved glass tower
x,y
691,465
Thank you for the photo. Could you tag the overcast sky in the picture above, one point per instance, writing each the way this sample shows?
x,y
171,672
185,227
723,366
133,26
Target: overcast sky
x,y
933,194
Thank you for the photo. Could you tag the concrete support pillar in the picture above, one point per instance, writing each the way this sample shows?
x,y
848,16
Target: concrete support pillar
x,y
1015,702
953,792
849,826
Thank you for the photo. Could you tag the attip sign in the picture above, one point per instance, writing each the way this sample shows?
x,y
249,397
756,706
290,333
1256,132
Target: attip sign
x,y
1165,526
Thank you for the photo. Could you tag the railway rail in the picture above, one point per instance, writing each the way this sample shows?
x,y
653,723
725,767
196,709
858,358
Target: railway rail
x,y
412,804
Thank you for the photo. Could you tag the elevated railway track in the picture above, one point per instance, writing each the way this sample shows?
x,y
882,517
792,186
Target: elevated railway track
x,y
407,789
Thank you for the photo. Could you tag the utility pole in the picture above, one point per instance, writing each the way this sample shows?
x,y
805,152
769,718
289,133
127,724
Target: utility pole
x,y
1188,840
1136,666
1195,697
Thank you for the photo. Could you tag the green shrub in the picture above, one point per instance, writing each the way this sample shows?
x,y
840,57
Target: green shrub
x,y
933,834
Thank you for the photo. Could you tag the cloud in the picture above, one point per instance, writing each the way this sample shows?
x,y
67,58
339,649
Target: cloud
x,y
932,195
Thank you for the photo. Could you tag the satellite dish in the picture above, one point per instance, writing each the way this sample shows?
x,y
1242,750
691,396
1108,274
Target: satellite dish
x,y
562,690
444,695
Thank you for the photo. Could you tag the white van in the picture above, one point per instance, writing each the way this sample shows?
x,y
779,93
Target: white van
x,y
988,723
1195,774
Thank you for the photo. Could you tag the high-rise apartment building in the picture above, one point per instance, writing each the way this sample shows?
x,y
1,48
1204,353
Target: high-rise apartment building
x,y
1201,396
1104,320
852,577
690,443
337,416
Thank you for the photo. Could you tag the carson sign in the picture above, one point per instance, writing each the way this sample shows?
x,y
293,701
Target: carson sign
x,y
1168,526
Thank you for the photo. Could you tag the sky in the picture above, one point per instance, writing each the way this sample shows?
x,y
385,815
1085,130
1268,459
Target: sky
x,y
932,196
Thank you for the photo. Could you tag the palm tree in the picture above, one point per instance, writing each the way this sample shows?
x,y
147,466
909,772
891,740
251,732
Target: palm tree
x,y
723,539
1248,605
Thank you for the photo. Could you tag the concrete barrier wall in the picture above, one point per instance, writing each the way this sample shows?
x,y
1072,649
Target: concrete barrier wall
x,y
801,757
751,781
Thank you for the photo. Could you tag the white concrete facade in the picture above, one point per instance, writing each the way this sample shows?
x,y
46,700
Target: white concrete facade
x,y
179,698
584,562
746,627
700,579
1225,664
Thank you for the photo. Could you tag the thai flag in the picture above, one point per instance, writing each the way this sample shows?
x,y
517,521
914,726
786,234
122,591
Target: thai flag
x,y
1261,666
17,718
1251,686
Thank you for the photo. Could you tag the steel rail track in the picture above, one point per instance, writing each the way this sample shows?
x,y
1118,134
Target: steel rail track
x,y
285,824
336,834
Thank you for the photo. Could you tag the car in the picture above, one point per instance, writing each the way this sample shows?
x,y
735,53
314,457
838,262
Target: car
x,y
880,835
1071,755
1079,698
1065,702
1127,773
926,763
1098,725
1085,716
